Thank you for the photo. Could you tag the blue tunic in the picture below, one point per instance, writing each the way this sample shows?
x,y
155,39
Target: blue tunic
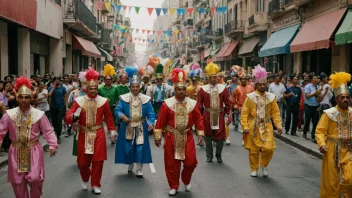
x,y
126,152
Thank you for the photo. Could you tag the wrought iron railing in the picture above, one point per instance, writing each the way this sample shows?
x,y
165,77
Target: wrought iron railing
x,y
251,20
219,32
235,26
76,9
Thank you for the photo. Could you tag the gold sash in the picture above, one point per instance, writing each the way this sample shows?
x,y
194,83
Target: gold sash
x,y
89,139
215,107
23,148
91,110
260,121
180,138
135,127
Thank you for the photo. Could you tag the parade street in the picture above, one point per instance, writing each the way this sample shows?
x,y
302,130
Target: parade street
x,y
292,174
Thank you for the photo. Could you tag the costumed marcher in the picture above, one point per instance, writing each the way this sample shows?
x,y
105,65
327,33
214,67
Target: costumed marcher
x,y
215,99
89,111
26,155
258,133
123,87
80,91
137,114
158,91
238,97
108,90
194,75
146,73
177,116
334,138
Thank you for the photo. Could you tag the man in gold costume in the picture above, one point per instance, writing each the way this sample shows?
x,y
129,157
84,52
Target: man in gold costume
x,y
257,109
334,137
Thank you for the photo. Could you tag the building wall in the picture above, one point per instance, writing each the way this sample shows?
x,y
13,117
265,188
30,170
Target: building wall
x,y
23,37
49,19
4,59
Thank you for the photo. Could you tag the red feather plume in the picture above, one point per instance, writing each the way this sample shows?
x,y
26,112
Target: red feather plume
x,y
92,74
22,81
175,75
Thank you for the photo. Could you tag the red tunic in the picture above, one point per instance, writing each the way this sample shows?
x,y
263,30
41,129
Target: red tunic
x,y
100,141
204,101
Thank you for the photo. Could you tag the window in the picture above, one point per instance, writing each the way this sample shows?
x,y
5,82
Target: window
x,y
235,12
259,6
58,2
229,16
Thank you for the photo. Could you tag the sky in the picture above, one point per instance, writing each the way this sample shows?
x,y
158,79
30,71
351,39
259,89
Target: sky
x,y
142,20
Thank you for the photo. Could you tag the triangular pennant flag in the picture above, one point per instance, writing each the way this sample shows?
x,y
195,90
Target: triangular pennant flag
x,y
213,11
123,30
143,31
99,5
157,10
224,9
176,32
132,29
208,9
150,11
135,38
148,31
181,11
130,8
165,32
190,11
143,40
137,9
172,11
201,10
159,32
153,32
218,10
118,7
164,10
137,30
124,7
161,41
107,5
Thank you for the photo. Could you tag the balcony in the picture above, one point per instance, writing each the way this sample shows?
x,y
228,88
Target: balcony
x,y
275,7
301,2
106,41
258,22
288,2
189,24
78,17
235,27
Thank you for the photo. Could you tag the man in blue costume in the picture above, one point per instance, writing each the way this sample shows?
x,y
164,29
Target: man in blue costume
x,y
137,115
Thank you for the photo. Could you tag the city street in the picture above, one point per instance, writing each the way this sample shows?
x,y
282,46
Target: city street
x,y
292,174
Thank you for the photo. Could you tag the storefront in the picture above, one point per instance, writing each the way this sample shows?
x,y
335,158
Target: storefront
x,y
85,53
343,39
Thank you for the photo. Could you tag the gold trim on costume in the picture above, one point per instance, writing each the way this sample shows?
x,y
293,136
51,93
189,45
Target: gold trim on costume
x,y
24,90
158,134
135,128
200,133
23,133
342,89
180,84
90,134
92,83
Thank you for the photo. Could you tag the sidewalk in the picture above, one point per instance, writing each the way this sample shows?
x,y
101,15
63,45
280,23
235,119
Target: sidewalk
x,y
300,143
4,159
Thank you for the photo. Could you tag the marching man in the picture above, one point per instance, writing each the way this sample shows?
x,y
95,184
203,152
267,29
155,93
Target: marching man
x,y
25,123
176,117
89,111
258,133
334,137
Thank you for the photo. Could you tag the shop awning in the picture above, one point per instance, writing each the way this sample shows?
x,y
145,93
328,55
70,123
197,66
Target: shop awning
x,y
88,48
315,34
106,55
222,51
214,51
207,52
227,54
249,45
279,42
344,34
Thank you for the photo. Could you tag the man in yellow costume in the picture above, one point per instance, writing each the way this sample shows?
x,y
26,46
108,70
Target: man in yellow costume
x,y
334,137
258,135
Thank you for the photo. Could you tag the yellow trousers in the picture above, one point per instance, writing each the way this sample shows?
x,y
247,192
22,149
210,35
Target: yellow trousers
x,y
262,157
336,182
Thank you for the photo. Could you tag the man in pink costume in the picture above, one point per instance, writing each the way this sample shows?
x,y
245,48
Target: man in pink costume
x,y
26,154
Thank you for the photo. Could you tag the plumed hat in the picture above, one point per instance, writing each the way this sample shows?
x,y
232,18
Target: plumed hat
x,y
133,75
159,71
178,77
23,86
339,82
92,77
260,74
109,70
212,69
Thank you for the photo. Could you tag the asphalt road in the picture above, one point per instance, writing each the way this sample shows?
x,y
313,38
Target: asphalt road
x,y
292,174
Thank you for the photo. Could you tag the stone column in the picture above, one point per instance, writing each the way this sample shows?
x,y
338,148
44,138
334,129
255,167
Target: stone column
x,y
68,68
23,38
55,57
297,62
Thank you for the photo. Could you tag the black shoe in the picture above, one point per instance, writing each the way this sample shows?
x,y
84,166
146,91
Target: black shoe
x,y
305,136
218,157
209,159
294,134
314,141
286,132
236,128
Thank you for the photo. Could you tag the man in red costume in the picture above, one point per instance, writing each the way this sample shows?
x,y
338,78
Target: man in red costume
x,y
91,137
177,115
216,102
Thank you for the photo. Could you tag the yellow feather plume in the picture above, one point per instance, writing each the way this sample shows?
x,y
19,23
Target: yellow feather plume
x,y
339,78
212,69
109,70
